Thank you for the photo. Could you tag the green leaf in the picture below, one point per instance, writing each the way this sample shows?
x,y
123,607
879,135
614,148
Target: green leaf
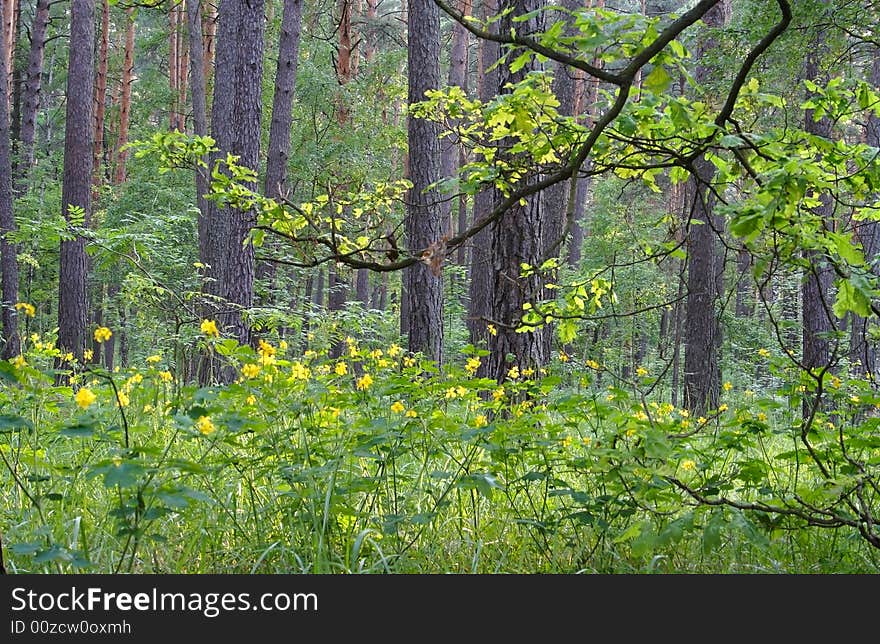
x,y
11,422
849,298
658,80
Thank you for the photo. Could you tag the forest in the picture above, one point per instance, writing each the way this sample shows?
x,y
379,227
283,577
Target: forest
x,y
440,286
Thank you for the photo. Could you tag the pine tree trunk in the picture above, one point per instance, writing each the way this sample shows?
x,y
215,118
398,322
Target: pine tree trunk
x,y
8,254
173,66
423,223
76,188
702,375
31,95
101,96
125,101
516,239
200,120
479,290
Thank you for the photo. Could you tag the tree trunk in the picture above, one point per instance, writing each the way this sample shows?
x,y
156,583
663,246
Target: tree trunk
x,y
209,29
516,239
200,119
479,290
101,96
816,307
10,24
423,224
702,375
125,102
236,127
173,66
863,352
8,253
31,95
449,146
76,188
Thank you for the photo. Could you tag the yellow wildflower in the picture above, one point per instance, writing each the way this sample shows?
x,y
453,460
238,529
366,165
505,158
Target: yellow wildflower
x,y
685,423
68,357
375,354
398,407
102,334
88,354
461,391
528,372
763,353
498,394
250,370
123,399
855,399
154,359
283,345
85,397
251,400
586,440
341,369
165,376
701,420
727,386
394,351
205,426
566,442
363,383
835,382
762,417
563,356
300,371
684,413
688,465
513,372
28,309
723,408
481,421
411,413
209,328
450,393
592,364
382,363
491,329
266,349
641,372
472,365
134,380
409,361
19,361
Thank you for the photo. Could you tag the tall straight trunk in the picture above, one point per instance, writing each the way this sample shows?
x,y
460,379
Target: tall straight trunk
x,y
236,127
209,31
702,372
863,352
101,94
76,188
479,290
125,100
282,102
8,255
10,24
815,305
745,296
31,95
182,67
516,239
200,118
449,147
423,222
173,66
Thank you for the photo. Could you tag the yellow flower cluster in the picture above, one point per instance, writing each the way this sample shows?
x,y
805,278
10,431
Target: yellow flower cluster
x,y
341,369
209,328
165,376
205,425
85,397
398,407
154,359
363,383
299,371
592,364
472,365
250,370
102,334
28,309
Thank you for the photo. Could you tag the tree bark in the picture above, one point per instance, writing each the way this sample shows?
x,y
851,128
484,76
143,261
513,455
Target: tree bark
x,y
200,119
101,96
816,315
516,239
423,223
31,95
702,375
76,188
236,126
8,251
479,290
125,101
